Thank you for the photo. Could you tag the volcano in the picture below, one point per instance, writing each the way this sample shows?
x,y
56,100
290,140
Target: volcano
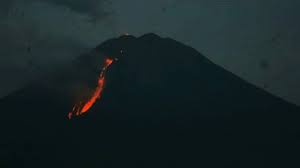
x,y
150,102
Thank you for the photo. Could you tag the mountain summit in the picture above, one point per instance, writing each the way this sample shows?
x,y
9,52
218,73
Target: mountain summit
x,y
146,102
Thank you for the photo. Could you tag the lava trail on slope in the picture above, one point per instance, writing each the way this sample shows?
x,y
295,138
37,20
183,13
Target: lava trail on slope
x,y
84,106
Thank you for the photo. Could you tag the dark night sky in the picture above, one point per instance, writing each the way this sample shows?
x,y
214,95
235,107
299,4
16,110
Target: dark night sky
x,y
257,40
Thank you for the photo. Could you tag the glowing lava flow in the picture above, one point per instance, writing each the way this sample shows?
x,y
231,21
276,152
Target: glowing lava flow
x,y
83,107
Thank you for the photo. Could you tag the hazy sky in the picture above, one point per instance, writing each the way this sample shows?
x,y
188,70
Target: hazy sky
x,y
259,40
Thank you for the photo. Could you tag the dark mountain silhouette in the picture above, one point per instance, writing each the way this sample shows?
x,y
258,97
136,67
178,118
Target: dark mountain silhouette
x,y
164,105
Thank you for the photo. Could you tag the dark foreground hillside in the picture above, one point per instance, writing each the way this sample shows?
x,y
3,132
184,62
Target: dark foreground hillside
x,y
164,105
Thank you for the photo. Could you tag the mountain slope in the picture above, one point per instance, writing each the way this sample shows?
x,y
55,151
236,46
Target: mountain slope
x,y
163,105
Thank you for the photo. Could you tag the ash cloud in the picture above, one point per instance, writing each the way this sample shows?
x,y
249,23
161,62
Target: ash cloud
x,y
37,35
90,7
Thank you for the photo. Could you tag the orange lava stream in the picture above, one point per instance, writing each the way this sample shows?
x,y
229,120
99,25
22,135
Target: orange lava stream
x,y
83,107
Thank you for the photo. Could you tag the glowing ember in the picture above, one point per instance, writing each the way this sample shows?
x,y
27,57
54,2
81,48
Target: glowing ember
x,y
83,107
